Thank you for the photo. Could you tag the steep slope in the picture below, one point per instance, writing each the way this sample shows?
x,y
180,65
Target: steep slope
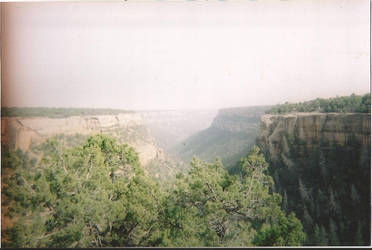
x,y
170,127
26,133
321,165
230,136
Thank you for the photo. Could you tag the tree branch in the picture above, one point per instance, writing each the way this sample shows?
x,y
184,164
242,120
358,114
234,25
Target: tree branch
x,y
211,189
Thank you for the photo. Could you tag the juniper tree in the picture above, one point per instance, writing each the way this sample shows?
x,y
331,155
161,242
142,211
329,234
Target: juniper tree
x,y
92,195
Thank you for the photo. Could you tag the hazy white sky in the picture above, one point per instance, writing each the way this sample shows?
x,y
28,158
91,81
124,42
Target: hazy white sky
x,y
177,55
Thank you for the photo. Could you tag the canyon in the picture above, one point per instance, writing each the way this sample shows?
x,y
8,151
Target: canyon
x,y
320,162
171,127
27,133
230,136
150,133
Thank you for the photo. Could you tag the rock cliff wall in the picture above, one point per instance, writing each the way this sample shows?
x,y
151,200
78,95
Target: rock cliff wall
x,y
278,132
241,119
320,163
22,133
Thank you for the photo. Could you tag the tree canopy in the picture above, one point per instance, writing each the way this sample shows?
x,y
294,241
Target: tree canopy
x,y
346,104
96,195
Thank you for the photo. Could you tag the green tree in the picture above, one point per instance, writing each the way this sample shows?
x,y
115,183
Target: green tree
x,y
209,207
352,103
320,236
285,231
96,194
333,235
88,196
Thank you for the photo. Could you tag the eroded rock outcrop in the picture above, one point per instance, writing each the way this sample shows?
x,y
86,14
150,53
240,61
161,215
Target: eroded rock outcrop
x,y
23,133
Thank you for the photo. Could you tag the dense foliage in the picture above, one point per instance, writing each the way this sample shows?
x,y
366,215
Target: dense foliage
x,y
56,112
97,194
346,104
77,197
209,207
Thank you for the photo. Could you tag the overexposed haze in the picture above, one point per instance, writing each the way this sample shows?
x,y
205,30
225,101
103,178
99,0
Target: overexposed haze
x,y
183,55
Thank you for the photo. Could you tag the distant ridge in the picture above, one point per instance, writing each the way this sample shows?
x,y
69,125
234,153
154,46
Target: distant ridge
x,y
231,135
58,112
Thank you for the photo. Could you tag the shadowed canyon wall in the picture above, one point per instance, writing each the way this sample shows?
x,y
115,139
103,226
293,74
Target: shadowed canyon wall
x,y
321,165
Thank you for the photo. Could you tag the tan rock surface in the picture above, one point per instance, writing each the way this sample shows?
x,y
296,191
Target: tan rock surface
x,y
21,133
278,131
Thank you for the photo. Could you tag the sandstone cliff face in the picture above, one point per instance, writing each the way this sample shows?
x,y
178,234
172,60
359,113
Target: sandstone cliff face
x,y
21,133
321,165
280,132
242,119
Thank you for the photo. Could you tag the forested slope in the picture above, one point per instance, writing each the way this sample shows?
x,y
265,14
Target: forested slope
x,y
231,135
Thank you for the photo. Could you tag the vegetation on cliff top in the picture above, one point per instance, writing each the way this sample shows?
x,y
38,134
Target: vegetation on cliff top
x,y
96,194
345,104
57,112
